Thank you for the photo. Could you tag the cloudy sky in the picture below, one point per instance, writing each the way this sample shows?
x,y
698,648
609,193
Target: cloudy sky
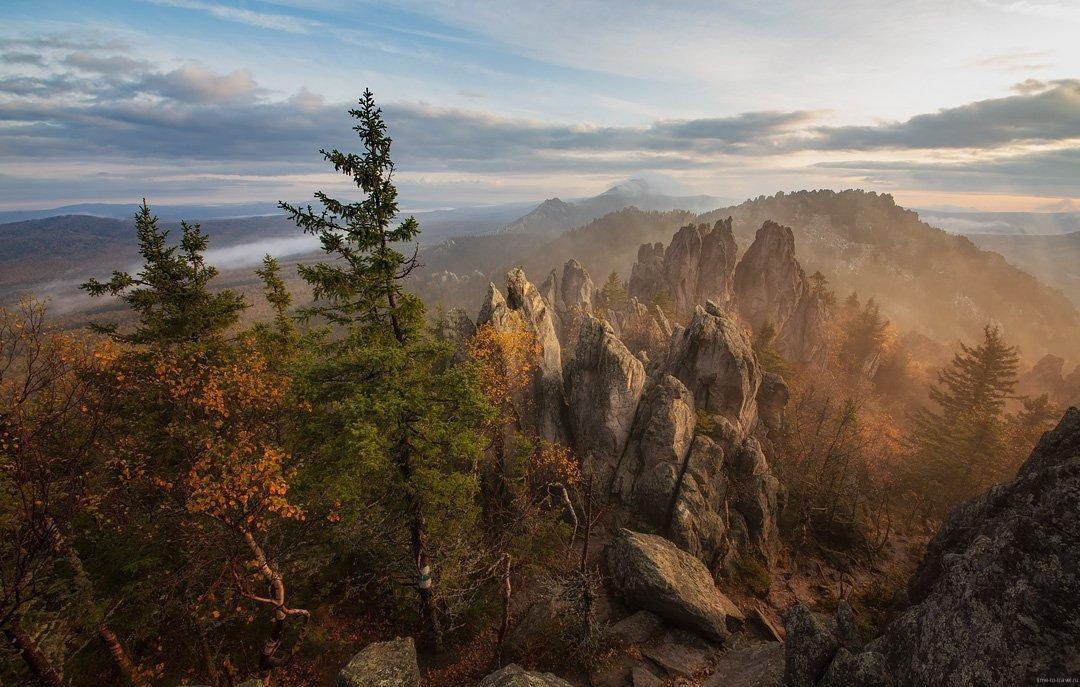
x,y
950,103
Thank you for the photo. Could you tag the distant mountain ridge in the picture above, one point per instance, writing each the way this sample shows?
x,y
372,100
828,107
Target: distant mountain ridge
x,y
927,280
555,216
1055,258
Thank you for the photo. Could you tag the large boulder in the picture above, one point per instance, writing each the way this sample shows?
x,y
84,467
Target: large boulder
x,y
713,357
754,664
651,573
514,675
605,384
383,664
996,599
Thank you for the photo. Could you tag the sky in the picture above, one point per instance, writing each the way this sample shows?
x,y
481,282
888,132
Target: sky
x,y
952,104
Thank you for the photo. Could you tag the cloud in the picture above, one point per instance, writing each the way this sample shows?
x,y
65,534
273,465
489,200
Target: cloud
x,y
104,106
1047,172
22,58
262,20
1039,112
1015,61
96,64
199,86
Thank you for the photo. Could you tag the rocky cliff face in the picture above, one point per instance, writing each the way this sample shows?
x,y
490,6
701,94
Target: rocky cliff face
x,y
605,384
644,329
1048,377
695,267
570,297
673,441
691,468
524,306
771,287
995,601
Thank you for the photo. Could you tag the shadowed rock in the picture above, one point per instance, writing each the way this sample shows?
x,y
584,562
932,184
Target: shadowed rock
x,y
605,383
995,601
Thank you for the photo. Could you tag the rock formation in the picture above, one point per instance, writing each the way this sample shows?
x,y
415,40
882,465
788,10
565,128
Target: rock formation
x,y
604,385
714,359
524,300
650,573
570,298
995,601
695,267
771,287
1047,377
642,328
514,675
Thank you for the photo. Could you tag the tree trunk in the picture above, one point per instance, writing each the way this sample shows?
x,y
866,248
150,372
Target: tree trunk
x,y
268,658
36,662
129,673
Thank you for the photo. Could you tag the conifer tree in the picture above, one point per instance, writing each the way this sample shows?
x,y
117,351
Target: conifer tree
x,y
613,295
411,415
961,442
170,293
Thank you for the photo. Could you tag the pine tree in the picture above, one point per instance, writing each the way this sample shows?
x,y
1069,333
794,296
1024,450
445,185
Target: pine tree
x,y
962,442
411,418
283,332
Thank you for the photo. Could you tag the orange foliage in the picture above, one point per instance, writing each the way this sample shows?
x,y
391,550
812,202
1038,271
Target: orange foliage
x,y
506,360
223,412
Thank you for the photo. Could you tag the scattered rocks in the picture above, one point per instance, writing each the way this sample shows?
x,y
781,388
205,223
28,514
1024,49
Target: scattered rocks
x,y
636,628
755,664
809,649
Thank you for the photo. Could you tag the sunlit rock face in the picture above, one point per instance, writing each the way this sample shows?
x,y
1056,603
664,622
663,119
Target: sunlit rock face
x,y
524,304
771,288
696,266
691,469
713,357
569,298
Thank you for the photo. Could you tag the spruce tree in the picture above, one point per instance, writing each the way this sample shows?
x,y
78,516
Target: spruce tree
x,y
613,293
962,441
170,294
401,421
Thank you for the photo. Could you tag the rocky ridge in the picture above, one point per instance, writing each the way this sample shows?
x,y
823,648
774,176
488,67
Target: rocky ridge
x,y
995,601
